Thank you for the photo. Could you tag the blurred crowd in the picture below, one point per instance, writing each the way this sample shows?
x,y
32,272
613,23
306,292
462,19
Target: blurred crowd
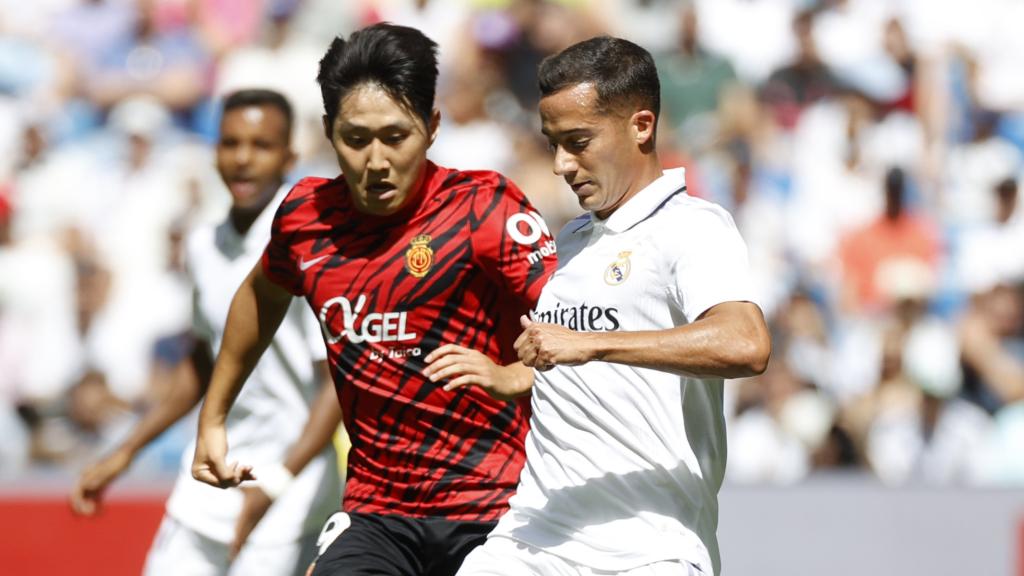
x,y
870,152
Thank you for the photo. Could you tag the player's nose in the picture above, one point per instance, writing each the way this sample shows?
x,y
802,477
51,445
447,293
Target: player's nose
x,y
564,163
242,155
377,160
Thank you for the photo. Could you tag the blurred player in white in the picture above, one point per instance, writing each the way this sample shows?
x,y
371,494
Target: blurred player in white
x,y
282,422
649,309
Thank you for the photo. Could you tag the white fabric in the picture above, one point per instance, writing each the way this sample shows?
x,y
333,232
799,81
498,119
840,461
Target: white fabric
x,y
179,551
504,557
624,464
273,406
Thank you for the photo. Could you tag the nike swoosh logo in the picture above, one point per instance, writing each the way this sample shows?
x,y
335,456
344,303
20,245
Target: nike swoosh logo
x,y
307,264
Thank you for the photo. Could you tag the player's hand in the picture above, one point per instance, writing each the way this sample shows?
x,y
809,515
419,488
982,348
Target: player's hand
x,y
462,366
255,504
542,346
209,465
87,494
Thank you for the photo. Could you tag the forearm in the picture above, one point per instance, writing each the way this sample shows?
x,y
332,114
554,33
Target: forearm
x,y
183,395
324,418
520,380
1003,374
730,343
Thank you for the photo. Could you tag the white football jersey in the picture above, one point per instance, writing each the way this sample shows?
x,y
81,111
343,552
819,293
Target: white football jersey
x,y
624,464
271,410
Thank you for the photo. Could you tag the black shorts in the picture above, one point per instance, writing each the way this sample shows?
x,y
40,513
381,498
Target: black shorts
x,y
386,545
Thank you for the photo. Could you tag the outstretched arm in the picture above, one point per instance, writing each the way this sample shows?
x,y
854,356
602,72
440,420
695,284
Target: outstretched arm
x,y
190,380
256,311
729,340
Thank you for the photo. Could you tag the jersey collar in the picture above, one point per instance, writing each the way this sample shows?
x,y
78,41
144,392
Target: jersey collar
x,y
255,238
645,203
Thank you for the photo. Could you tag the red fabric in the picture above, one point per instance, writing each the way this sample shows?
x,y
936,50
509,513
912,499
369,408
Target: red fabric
x,y
450,268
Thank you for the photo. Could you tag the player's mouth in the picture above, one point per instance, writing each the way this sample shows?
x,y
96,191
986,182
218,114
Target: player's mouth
x,y
382,190
243,189
582,188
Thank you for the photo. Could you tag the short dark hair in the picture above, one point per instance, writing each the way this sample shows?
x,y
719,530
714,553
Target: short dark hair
x,y
261,97
621,71
399,59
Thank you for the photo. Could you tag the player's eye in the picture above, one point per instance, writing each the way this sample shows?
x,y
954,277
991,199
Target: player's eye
x,y
395,138
354,140
578,144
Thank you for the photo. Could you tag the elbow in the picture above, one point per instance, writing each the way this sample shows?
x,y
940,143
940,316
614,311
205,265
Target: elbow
x,y
753,355
759,359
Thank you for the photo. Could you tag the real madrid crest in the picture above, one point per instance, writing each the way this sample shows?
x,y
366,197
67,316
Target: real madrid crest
x,y
419,257
618,271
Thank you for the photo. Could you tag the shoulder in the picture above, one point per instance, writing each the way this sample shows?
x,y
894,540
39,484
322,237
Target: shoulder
x,y
310,187
482,184
298,206
688,215
573,228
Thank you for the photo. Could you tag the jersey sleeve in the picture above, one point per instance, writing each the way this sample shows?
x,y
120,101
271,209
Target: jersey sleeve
x,y
278,258
511,242
714,269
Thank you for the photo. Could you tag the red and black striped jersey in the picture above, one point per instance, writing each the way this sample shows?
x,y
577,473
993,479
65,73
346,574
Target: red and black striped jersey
x,y
459,265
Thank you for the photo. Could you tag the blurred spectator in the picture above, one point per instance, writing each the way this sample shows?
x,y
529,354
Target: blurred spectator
x,y
899,237
692,79
470,139
928,433
802,82
644,21
171,66
783,427
992,346
285,60
755,35
87,30
441,20
974,168
854,39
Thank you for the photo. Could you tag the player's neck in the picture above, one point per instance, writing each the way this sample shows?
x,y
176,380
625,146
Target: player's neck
x,y
647,172
242,219
642,174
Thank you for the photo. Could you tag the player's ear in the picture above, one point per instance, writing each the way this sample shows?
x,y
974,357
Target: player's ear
x,y
642,124
435,123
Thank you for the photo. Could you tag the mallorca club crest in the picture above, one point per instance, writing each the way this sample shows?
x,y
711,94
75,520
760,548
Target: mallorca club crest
x,y
419,257
618,271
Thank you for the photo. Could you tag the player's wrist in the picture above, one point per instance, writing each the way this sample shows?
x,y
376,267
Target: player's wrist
x,y
274,480
124,455
591,346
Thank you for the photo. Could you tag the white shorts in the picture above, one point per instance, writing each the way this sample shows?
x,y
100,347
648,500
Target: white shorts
x,y
501,556
181,551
